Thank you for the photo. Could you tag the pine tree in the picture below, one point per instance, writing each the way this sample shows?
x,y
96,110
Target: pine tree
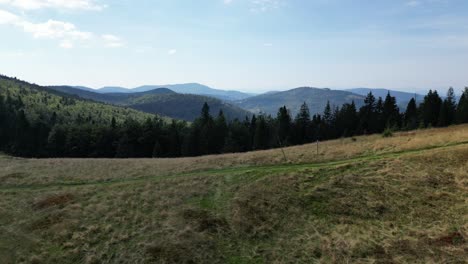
x,y
430,108
302,131
261,137
284,125
220,133
205,113
462,108
447,110
380,121
391,113
367,115
411,115
3,126
327,114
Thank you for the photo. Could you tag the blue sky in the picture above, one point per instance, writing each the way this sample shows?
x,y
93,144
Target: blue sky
x,y
249,45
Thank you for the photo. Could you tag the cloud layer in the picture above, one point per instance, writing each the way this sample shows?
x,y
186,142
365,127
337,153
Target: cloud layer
x,y
60,4
67,33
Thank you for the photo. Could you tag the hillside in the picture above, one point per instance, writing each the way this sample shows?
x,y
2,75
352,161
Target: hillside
x,y
402,97
363,200
186,88
315,98
41,103
113,98
162,101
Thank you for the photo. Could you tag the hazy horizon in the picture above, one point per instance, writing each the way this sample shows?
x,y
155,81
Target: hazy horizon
x,y
246,45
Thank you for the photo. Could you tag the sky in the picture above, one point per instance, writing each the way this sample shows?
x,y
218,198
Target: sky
x,y
247,45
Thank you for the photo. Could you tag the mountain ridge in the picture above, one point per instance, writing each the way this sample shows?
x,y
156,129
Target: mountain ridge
x,y
184,88
162,101
316,99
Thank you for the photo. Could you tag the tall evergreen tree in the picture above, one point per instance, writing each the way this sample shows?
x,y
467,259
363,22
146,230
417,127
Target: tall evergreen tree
x,y
380,121
284,125
462,108
367,114
302,125
448,109
220,133
430,108
411,115
391,113
261,137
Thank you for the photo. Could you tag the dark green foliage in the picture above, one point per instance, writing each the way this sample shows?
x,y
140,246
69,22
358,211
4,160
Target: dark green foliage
x,y
367,115
302,126
448,109
462,108
38,123
284,125
391,113
160,101
262,134
387,133
411,115
430,109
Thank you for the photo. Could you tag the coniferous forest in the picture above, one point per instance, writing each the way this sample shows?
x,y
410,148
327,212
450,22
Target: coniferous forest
x,y
109,137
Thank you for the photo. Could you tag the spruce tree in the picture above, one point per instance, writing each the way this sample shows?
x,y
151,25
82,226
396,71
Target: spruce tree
x,y
462,108
367,115
447,110
411,115
302,125
391,113
380,121
430,108
220,133
284,125
261,136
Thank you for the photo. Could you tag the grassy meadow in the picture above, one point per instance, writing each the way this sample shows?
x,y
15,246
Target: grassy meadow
x,y
368,199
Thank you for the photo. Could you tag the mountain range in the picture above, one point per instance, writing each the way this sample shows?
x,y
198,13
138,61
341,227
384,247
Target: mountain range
x,y
161,101
186,88
268,103
315,98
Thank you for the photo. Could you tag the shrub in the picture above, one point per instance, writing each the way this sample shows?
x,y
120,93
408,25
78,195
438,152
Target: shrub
x,y
387,133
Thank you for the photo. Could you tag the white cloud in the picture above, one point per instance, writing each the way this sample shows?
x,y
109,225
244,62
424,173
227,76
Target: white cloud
x,y
60,4
261,5
172,52
66,32
413,3
54,29
7,17
112,41
265,5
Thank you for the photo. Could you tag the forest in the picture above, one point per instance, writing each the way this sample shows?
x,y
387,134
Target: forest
x,y
47,136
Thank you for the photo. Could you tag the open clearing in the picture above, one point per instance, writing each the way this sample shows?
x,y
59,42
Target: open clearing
x,y
365,200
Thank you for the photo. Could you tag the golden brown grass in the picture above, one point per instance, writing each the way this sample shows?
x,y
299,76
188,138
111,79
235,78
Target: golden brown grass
x,y
372,200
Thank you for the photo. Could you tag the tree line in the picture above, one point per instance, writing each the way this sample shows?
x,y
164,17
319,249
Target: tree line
x,y
47,137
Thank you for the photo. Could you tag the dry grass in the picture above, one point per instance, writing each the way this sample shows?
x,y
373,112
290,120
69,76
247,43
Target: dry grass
x,y
46,171
406,206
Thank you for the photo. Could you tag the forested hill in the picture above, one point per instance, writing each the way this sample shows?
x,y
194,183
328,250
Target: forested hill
x,y
315,98
43,104
162,101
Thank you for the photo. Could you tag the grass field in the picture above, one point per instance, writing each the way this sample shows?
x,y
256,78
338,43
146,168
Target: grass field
x,y
367,199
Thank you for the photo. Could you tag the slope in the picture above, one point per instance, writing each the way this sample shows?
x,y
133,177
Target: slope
x,y
41,103
162,101
315,98
365,200
402,97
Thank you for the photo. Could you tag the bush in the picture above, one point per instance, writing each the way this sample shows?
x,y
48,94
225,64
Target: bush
x,y
387,133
